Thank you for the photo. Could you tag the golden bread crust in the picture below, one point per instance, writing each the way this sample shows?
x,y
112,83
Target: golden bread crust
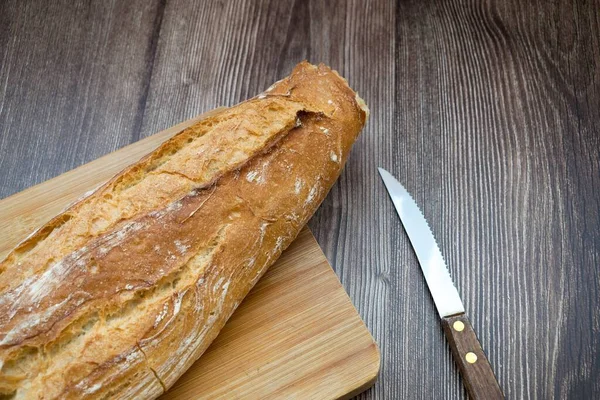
x,y
123,291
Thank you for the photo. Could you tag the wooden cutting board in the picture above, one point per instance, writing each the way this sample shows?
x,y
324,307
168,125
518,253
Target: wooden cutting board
x,y
296,335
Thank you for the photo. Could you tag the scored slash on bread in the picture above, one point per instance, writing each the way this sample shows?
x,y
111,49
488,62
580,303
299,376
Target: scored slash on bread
x,y
118,295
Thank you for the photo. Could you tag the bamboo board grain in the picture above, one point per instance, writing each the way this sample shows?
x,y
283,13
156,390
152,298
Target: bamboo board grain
x,y
296,335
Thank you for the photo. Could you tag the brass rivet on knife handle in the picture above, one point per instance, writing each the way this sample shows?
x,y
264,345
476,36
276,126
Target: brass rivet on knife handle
x,y
471,357
458,326
475,369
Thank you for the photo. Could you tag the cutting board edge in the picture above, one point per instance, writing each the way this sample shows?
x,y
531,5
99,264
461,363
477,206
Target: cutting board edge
x,y
372,376
366,386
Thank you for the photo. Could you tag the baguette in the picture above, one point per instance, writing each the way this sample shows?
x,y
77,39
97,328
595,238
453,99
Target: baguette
x,y
119,294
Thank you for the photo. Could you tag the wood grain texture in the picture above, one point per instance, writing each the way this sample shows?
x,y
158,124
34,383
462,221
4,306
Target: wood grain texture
x,y
296,334
488,112
73,80
502,150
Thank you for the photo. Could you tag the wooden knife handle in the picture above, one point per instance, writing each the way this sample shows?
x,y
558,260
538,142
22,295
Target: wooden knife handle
x,y
477,374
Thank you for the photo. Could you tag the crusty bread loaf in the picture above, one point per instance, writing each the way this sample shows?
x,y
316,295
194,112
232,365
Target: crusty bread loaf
x,y
117,296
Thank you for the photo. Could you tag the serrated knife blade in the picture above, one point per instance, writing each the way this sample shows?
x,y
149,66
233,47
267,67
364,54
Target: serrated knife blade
x,y
474,366
443,291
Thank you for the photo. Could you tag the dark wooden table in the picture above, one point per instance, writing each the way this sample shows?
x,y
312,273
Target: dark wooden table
x,y
488,111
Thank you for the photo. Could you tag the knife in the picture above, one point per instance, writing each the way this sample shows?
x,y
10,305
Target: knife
x,y
478,376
